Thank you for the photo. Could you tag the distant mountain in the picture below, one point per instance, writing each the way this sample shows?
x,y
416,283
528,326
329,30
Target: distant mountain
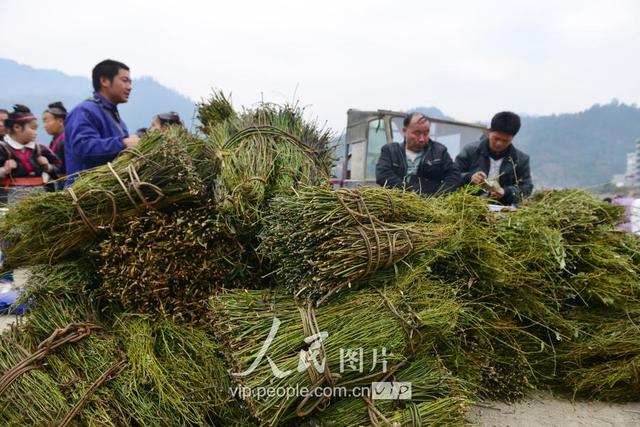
x,y
36,88
149,98
567,150
582,149
578,150
575,150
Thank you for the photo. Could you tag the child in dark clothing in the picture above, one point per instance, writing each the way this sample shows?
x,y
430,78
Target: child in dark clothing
x,y
25,165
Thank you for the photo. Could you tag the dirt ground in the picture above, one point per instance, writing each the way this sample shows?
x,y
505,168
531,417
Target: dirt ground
x,y
543,410
5,321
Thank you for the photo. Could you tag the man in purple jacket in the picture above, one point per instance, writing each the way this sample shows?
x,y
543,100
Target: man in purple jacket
x,y
94,132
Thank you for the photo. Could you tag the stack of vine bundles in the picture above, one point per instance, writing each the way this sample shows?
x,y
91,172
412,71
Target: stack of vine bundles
x,y
519,277
105,342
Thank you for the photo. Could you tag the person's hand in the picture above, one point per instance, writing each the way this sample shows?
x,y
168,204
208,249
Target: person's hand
x,y
131,141
43,161
10,165
478,178
497,193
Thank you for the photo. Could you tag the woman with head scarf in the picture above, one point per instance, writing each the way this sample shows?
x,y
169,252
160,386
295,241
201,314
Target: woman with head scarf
x,y
162,120
53,119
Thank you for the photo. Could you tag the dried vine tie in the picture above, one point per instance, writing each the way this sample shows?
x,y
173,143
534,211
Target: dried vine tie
x,y
114,370
71,333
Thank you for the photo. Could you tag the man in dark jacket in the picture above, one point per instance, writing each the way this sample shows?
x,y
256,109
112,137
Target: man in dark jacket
x,y
494,163
418,164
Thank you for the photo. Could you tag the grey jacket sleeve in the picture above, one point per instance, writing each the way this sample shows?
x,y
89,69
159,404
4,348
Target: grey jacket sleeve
x,y
386,174
524,188
54,162
451,180
463,163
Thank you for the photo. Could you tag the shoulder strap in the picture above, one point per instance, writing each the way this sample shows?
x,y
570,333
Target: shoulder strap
x,y
110,113
56,141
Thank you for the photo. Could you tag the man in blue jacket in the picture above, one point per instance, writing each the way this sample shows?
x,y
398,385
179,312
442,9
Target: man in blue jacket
x,y
95,133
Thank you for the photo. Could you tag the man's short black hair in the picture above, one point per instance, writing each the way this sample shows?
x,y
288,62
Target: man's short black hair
x,y
506,122
3,111
410,116
107,68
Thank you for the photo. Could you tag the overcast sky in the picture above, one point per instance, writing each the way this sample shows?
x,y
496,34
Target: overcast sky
x,y
468,58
